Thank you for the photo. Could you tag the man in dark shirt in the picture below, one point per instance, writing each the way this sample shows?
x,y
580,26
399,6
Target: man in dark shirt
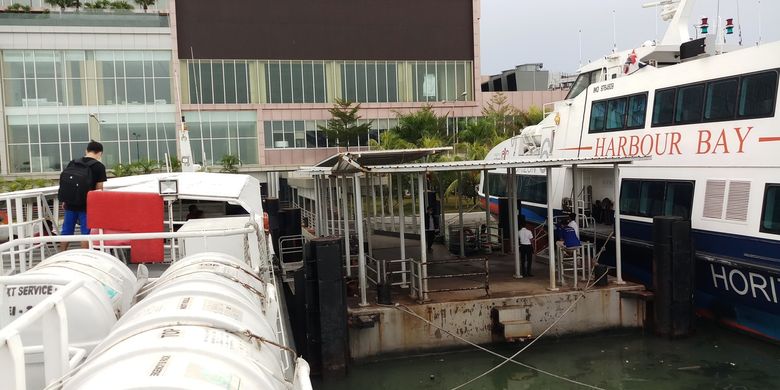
x,y
79,212
431,226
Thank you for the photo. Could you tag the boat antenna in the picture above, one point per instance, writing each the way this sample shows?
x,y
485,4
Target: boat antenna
x,y
614,33
199,98
739,24
759,23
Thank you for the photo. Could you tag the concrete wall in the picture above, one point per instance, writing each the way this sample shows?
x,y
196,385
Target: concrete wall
x,y
398,332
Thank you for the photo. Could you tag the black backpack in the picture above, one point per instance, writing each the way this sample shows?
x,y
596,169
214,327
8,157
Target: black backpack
x,y
76,182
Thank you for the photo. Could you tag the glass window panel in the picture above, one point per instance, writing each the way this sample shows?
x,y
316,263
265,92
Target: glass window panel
x,y
532,188
220,149
319,83
348,82
616,114
308,82
79,132
679,199
247,149
44,64
73,88
50,157
629,197
651,201
19,156
162,68
598,116
108,92
230,82
297,82
757,94
721,99
14,92
362,85
17,133
663,107
134,68
13,64
372,88
49,132
204,82
109,132
242,83
770,215
110,154
381,74
121,91
637,106
135,91
162,91
47,92
247,129
286,76
148,69
194,83
219,82
274,83
269,141
689,104
148,91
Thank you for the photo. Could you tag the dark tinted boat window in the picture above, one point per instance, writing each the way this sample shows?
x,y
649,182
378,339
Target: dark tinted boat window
x,y
663,107
721,100
689,104
616,114
637,105
757,94
770,215
598,117
651,198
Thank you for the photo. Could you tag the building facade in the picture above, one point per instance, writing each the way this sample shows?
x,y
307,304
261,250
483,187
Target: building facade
x,y
251,78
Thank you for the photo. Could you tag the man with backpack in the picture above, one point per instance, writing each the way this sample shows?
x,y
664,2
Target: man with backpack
x,y
76,180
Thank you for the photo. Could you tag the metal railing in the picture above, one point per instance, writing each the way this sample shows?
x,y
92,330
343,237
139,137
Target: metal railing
x,y
26,215
58,356
290,246
578,260
492,238
420,286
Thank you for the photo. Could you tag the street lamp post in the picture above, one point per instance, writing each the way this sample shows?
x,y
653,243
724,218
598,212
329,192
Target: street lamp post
x,y
95,135
137,150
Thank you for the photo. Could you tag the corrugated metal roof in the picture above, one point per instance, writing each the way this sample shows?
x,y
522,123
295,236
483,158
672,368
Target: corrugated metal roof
x,y
473,165
380,157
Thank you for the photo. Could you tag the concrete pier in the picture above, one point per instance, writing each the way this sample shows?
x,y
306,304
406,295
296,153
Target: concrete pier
x,y
525,303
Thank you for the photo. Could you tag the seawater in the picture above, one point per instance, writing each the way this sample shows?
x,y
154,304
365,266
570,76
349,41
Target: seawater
x,y
712,358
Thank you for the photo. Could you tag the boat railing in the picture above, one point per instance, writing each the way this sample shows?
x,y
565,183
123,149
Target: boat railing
x,y
291,247
25,215
51,313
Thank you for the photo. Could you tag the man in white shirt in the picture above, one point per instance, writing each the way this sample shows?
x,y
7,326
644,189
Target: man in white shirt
x,y
526,249
573,225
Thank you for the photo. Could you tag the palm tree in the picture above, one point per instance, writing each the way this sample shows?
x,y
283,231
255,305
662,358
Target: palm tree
x,y
60,3
145,3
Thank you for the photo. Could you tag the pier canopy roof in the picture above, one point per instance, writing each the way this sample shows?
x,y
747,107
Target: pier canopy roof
x,y
474,165
362,161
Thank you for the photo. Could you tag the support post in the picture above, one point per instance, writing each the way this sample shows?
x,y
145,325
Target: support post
x,y
345,215
423,244
413,190
370,184
618,242
514,223
316,206
576,185
550,231
486,192
331,213
390,201
382,202
361,252
402,229
462,236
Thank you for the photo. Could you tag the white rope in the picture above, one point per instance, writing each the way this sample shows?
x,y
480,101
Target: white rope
x,y
528,366
587,287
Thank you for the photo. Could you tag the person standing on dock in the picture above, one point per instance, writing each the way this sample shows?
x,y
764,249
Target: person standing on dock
x,y
431,226
526,249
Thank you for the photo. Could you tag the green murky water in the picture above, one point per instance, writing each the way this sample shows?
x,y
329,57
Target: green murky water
x,y
713,358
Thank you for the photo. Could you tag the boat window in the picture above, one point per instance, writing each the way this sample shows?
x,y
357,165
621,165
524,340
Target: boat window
x,y
721,100
497,184
650,198
679,197
689,104
757,95
532,188
770,215
582,82
598,116
616,114
629,197
637,105
663,107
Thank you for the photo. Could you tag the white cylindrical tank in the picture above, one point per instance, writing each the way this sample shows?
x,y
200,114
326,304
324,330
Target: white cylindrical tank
x,y
206,323
91,311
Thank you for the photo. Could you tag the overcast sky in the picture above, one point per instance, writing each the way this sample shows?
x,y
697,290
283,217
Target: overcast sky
x,y
515,32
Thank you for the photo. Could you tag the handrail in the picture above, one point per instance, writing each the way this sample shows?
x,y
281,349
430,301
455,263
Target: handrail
x,y
52,313
419,289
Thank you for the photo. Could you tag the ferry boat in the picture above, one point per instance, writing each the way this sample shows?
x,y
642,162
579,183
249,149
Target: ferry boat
x,y
705,111
208,311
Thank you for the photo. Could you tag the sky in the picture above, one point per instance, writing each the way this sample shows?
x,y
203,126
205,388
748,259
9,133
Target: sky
x,y
515,32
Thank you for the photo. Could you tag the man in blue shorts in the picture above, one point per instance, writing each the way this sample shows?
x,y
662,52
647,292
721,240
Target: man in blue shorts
x,y
76,180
